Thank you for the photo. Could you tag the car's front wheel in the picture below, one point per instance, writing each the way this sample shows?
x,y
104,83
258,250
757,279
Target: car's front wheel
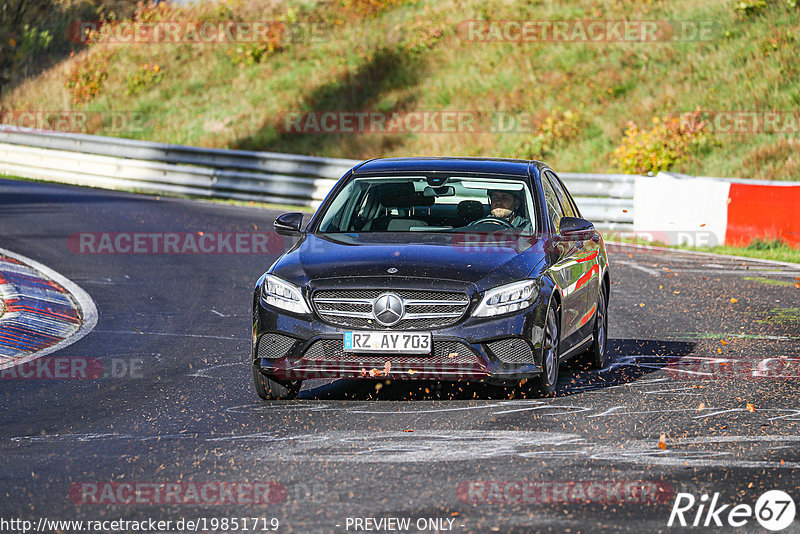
x,y
545,383
269,388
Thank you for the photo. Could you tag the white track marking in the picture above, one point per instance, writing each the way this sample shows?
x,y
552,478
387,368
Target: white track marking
x,y
202,373
792,415
719,412
101,281
424,446
632,265
673,391
608,411
570,410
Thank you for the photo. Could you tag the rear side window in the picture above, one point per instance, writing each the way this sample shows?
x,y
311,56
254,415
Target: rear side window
x,y
554,211
562,195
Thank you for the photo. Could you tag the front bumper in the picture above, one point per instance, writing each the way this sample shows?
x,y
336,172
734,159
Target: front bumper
x,y
497,350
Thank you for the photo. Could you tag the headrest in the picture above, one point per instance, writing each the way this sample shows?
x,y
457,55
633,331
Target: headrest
x,y
470,210
401,195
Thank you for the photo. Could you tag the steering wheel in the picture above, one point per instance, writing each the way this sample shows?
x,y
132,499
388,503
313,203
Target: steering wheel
x,y
495,220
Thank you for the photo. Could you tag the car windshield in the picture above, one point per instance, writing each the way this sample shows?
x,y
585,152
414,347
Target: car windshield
x,y
431,204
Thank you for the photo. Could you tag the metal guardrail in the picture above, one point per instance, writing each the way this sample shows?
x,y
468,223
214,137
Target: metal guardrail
x,y
115,163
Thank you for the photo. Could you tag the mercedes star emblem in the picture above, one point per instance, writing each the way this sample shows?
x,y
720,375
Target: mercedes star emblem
x,y
388,309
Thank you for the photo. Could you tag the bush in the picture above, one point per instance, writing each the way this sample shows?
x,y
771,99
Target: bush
x,y
250,54
668,142
748,8
87,75
35,34
367,8
151,12
557,128
34,41
420,36
144,77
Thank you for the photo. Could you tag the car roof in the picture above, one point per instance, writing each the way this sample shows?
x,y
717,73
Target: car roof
x,y
508,167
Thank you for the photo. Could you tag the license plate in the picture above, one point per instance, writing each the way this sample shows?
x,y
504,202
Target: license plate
x,y
394,342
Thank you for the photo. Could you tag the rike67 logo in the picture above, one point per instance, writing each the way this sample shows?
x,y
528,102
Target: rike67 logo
x,y
774,510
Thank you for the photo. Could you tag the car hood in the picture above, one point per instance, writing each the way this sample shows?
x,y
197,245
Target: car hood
x,y
466,259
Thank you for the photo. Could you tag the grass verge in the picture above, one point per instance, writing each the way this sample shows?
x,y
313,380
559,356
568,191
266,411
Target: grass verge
x,y
569,102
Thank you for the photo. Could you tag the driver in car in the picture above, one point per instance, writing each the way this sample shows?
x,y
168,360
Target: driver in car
x,y
505,205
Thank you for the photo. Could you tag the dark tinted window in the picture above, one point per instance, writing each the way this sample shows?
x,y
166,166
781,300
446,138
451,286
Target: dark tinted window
x,y
562,195
554,211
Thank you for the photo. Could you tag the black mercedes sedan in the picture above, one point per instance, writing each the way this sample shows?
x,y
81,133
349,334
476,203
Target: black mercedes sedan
x,y
434,268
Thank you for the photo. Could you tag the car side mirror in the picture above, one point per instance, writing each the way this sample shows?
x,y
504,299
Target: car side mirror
x,y
289,224
575,228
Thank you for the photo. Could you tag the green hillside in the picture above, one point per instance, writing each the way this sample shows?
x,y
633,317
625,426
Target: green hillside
x,y
573,100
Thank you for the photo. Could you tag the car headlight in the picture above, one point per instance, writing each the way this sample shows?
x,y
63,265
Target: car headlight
x,y
507,299
283,295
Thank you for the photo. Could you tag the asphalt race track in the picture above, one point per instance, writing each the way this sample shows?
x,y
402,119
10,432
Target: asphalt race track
x,y
702,397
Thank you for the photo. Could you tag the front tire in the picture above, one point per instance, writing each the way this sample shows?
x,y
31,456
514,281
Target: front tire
x,y
545,383
269,388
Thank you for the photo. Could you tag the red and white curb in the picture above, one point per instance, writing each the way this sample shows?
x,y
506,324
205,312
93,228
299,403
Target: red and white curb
x,y
702,211
44,311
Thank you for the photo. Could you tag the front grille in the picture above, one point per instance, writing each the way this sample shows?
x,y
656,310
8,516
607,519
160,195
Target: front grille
x,y
424,309
449,352
274,345
512,350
